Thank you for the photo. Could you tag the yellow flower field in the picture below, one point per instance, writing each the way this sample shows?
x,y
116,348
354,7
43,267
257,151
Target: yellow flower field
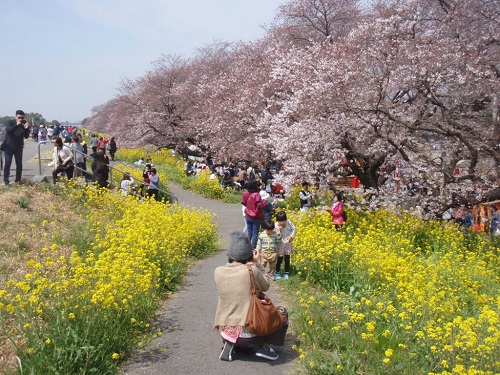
x,y
100,295
391,294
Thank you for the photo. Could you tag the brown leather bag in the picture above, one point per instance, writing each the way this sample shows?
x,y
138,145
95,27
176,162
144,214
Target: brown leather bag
x,y
263,318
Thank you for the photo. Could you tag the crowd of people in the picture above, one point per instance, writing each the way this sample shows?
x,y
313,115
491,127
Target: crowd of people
x,y
69,155
265,246
47,132
237,176
150,181
484,218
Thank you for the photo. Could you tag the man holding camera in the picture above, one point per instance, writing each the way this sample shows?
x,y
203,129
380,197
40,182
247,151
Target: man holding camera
x,y
17,130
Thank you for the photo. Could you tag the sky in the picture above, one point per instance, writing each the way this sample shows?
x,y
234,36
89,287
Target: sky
x,y
60,58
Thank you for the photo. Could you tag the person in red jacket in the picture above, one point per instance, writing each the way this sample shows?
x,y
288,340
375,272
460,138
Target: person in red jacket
x,y
337,211
254,210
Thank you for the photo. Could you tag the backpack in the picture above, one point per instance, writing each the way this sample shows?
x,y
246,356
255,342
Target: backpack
x,y
344,216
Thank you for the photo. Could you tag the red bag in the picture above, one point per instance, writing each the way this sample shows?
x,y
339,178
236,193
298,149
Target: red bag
x,y
263,319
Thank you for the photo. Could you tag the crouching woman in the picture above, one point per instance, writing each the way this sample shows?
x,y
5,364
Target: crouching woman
x,y
62,159
234,292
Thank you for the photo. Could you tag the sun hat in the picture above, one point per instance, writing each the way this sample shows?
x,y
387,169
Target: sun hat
x,y
240,247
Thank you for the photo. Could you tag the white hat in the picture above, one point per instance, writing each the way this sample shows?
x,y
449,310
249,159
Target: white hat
x,y
263,194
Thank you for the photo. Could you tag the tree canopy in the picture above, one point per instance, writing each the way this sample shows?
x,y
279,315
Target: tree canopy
x,y
400,92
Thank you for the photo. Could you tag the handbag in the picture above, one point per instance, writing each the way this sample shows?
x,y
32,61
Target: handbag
x,y
69,164
263,318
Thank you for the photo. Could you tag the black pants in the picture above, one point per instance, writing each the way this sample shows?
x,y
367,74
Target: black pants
x,y
153,193
62,168
17,155
255,342
287,263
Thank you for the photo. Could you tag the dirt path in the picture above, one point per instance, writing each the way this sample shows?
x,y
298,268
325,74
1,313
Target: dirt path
x,y
188,345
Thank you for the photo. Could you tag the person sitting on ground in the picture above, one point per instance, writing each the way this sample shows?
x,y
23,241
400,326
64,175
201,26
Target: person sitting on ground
x,y
495,221
127,184
140,162
227,179
234,295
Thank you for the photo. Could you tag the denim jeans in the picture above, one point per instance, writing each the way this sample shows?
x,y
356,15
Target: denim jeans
x,y
253,228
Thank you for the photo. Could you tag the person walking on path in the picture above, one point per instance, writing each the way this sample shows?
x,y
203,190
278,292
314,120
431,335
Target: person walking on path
x,y
16,132
254,210
78,155
94,140
112,148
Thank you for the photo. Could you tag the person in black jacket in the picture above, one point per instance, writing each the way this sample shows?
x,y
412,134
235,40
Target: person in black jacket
x,y
112,148
16,132
100,170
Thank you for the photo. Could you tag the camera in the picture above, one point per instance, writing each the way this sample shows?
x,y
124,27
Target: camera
x,y
23,122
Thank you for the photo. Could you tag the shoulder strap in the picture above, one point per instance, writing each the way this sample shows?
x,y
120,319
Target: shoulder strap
x,y
252,282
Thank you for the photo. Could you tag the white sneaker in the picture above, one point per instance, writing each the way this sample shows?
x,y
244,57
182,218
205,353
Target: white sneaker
x,y
227,351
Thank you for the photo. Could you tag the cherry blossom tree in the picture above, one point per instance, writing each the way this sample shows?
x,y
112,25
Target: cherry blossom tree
x,y
306,21
403,92
410,87
234,100
151,109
